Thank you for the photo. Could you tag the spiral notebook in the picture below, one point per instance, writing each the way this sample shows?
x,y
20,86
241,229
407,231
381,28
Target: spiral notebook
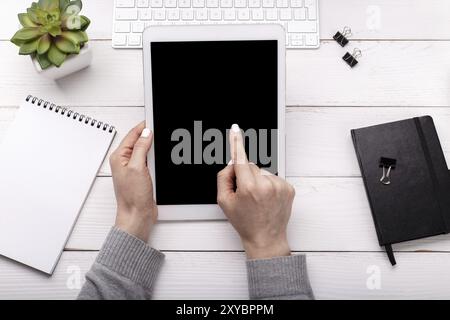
x,y
49,159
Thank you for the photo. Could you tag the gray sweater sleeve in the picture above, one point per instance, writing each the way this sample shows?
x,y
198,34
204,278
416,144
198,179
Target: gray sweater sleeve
x,y
125,268
283,278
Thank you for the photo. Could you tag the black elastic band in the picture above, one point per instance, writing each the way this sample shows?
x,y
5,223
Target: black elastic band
x,y
390,254
434,180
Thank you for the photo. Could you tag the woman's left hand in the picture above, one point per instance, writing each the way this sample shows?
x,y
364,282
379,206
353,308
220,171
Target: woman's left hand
x,y
136,208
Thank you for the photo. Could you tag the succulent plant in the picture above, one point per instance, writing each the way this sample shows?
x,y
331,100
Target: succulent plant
x,y
52,30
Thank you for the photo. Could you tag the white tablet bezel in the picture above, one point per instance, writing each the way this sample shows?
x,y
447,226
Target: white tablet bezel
x,y
211,33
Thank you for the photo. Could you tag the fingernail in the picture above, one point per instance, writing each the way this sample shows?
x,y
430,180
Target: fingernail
x,y
230,162
146,133
235,128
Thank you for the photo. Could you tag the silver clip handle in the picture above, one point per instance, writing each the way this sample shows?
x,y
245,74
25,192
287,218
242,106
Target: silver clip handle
x,y
386,178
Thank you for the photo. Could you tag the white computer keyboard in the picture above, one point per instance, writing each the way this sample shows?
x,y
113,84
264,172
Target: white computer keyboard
x,y
300,18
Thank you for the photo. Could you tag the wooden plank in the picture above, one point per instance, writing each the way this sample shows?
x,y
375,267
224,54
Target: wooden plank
x,y
329,214
389,74
213,275
319,143
113,79
385,19
318,140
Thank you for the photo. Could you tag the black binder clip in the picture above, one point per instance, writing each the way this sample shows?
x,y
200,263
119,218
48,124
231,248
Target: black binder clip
x,y
341,38
351,58
387,164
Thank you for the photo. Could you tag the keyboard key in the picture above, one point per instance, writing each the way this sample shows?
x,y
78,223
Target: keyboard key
x,y
311,39
298,42
170,3
145,14
143,3
126,14
240,3
243,14
138,27
134,39
272,14
300,14
311,5
185,3
173,14
198,3
156,3
125,4
226,3
229,14
282,3
285,14
254,3
119,40
302,26
257,14
312,13
159,14
187,14
212,3
296,36
201,14
296,3
268,3
215,14
122,27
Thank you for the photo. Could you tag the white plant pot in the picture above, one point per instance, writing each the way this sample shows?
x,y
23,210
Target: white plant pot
x,y
74,63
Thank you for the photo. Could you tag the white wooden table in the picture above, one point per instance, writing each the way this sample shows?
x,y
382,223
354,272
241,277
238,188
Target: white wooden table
x,y
404,72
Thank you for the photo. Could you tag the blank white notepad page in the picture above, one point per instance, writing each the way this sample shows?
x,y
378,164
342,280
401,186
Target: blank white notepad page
x,y
48,163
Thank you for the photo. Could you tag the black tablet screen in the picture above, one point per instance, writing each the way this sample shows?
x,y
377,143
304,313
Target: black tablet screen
x,y
199,90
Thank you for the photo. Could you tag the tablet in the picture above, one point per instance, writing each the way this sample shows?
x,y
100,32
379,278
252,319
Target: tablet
x,y
199,80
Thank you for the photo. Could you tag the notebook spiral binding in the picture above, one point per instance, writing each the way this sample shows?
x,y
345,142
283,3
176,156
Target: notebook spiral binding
x,y
70,113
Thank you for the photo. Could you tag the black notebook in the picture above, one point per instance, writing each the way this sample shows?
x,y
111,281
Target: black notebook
x,y
406,179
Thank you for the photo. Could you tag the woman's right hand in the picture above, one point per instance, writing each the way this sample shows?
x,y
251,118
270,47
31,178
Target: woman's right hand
x,y
257,203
